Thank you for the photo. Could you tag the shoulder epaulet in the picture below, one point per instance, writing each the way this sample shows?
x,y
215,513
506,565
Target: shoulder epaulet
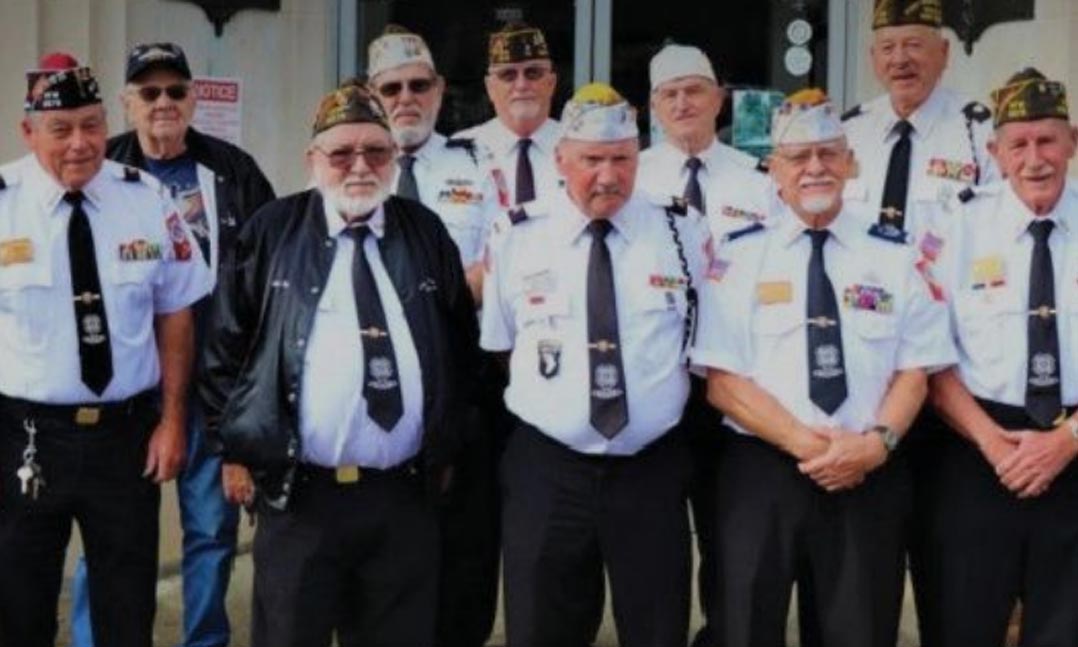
x,y
744,231
466,144
966,194
852,112
678,206
132,174
976,111
762,166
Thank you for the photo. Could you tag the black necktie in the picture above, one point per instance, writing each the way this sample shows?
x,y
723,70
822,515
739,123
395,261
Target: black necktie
x,y
406,186
827,372
1044,400
525,177
91,323
609,405
381,381
896,186
693,194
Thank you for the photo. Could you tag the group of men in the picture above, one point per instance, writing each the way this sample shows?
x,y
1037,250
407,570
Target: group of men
x,y
533,345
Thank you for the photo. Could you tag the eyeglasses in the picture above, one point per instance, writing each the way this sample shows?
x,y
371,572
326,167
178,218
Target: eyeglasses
x,y
345,158
510,74
415,86
176,92
828,155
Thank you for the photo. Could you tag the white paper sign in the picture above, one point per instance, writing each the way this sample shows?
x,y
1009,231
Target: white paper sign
x,y
219,111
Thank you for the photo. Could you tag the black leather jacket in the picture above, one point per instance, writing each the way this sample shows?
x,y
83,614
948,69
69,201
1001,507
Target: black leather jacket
x,y
262,317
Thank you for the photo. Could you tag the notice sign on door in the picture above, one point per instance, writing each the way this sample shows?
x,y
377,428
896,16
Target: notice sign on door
x,y
219,110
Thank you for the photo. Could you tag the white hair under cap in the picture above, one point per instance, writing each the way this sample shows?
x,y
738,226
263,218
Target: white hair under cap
x,y
396,49
597,113
678,61
805,117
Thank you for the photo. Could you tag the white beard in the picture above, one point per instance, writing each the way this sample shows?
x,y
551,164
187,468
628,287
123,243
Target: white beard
x,y
818,204
351,207
412,136
524,110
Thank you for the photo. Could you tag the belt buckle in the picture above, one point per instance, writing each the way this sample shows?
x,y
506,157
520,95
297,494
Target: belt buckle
x,y
347,474
87,416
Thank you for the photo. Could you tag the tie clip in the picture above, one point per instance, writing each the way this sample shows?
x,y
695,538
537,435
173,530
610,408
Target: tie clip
x,y
821,322
891,213
1044,312
603,346
87,298
373,332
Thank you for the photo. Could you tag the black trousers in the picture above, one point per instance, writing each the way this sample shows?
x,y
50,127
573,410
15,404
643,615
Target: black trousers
x,y
987,549
567,515
357,560
703,427
471,543
93,477
775,527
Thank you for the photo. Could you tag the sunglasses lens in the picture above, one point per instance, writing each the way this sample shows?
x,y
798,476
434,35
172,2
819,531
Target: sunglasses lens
x,y
506,76
376,155
534,73
176,92
391,89
149,93
420,86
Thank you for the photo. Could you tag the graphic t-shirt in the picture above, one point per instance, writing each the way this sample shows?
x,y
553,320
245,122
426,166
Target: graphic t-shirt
x,y
180,176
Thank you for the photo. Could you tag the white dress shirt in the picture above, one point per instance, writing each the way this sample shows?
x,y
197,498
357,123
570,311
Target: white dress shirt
x,y
735,193
753,316
947,149
460,189
39,347
503,146
984,265
538,302
334,426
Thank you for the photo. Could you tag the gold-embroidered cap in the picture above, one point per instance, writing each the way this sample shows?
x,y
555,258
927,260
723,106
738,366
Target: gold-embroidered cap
x,y
517,42
894,13
351,103
1028,96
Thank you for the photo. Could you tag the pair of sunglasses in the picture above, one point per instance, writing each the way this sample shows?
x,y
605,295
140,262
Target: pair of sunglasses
x,y
176,92
415,86
531,73
345,158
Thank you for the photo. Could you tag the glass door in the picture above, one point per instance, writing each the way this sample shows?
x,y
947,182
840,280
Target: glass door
x,y
456,33
778,45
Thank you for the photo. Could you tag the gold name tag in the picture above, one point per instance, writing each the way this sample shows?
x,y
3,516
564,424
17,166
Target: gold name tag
x,y
769,292
16,250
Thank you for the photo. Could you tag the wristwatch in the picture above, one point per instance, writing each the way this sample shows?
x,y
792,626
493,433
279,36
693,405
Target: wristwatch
x,y
889,436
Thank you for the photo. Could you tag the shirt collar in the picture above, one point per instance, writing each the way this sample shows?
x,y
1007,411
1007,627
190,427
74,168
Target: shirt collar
x,y
335,224
573,222
543,139
790,228
923,119
50,193
425,153
1021,216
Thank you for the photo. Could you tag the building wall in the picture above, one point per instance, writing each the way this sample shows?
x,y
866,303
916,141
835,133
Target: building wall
x,y
1046,42
286,61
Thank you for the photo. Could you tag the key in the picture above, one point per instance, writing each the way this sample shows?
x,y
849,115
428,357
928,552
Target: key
x,y
36,484
25,475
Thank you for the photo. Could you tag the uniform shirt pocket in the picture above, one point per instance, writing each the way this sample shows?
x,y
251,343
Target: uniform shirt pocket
x,y
131,286
26,305
877,336
982,318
